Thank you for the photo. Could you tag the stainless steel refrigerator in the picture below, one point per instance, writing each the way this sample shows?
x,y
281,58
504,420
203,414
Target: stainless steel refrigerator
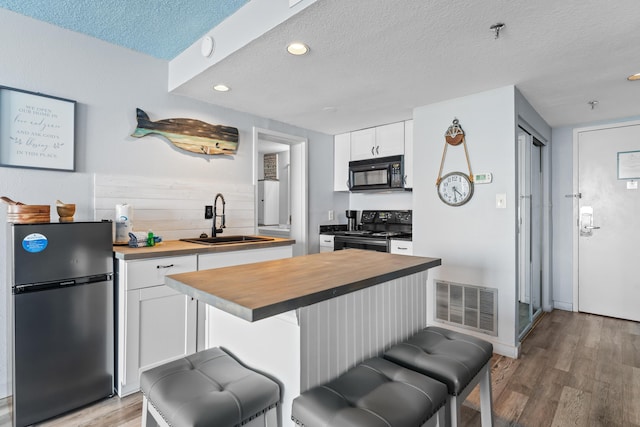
x,y
63,340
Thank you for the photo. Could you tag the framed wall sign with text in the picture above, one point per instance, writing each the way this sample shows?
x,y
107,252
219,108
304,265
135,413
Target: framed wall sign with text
x,y
36,130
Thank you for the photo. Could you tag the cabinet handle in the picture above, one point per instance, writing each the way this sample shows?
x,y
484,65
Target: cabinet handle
x,y
164,266
377,149
400,248
372,152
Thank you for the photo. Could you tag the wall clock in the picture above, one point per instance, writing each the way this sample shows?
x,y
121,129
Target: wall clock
x,y
455,188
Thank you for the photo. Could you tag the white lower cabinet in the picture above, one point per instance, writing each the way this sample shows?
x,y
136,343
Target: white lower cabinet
x,y
401,247
155,323
326,243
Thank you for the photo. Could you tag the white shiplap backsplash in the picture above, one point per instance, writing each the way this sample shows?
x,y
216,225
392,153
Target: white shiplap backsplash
x,y
173,208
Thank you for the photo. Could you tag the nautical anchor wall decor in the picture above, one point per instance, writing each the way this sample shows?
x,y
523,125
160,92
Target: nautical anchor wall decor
x,y
189,134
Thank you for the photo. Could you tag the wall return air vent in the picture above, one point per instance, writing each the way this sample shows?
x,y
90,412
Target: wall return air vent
x,y
467,306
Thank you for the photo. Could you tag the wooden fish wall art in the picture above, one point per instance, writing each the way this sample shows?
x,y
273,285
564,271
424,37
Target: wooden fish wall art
x,y
189,134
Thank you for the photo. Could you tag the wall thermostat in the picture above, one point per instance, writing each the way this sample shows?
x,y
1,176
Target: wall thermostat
x,y
482,178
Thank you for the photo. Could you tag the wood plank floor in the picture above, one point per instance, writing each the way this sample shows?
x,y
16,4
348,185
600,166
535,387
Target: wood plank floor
x,y
575,370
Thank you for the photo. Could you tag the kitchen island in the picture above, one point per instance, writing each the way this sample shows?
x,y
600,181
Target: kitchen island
x,y
306,320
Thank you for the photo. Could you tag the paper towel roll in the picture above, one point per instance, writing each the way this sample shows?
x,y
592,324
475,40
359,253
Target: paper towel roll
x,y
123,222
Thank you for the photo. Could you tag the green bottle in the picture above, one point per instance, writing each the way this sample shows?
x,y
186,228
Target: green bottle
x,y
150,240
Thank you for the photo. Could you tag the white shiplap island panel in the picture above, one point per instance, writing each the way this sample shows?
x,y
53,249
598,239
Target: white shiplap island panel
x,y
339,333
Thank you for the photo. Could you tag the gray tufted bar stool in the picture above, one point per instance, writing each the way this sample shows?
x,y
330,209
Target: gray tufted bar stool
x,y
460,361
376,393
208,388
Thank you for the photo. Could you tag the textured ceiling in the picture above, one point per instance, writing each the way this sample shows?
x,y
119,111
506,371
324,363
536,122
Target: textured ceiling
x,y
373,61
160,28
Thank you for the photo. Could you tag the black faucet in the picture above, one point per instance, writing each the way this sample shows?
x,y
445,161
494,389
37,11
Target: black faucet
x,y
215,230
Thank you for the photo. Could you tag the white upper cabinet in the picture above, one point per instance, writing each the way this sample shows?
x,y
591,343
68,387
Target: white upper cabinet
x,y
341,157
381,141
390,140
408,153
363,144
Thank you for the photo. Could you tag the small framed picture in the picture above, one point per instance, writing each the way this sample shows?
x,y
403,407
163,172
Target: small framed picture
x,y
629,165
36,130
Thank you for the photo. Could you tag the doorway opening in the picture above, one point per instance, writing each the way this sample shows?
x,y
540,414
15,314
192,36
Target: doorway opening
x,y
280,179
531,230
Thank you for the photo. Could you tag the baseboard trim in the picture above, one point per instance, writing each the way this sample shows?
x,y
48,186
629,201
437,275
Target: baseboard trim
x,y
563,305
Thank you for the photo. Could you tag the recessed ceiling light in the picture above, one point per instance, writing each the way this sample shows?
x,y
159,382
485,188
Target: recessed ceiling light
x,y
221,88
634,77
297,48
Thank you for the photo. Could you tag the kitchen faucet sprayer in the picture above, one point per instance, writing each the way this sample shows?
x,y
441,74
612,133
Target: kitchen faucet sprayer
x,y
215,230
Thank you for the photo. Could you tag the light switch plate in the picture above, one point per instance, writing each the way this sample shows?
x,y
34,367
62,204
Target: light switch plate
x,y
501,201
330,215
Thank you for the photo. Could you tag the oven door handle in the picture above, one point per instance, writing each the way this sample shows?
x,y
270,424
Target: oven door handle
x,y
360,240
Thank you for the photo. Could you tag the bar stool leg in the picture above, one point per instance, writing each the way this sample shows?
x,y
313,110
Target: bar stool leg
x,y
271,418
485,397
147,421
453,411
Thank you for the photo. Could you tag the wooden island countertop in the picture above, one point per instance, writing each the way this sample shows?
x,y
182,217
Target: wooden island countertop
x,y
260,290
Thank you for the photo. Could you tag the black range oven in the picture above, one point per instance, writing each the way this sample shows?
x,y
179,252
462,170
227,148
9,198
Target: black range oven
x,y
377,230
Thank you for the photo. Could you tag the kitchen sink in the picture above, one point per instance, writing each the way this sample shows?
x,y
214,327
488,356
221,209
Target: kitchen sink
x,y
227,240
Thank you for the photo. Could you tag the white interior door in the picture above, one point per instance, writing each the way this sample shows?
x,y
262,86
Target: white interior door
x,y
608,222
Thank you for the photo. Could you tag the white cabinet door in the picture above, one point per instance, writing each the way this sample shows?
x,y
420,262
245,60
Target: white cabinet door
x,y
401,247
160,327
155,323
326,243
408,153
389,140
363,144
381,141
341,157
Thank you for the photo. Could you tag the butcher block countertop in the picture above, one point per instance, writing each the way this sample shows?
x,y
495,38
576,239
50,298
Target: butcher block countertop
x,y
260,290
177,248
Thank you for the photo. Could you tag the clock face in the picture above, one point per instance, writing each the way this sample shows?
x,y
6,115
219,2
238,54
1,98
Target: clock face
x,y
455,189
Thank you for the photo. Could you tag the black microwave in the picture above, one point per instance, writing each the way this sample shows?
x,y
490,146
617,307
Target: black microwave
x,y
381,173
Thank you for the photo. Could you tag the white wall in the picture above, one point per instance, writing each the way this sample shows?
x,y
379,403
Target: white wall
x,y
562,217
400,200
108,83
476,241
